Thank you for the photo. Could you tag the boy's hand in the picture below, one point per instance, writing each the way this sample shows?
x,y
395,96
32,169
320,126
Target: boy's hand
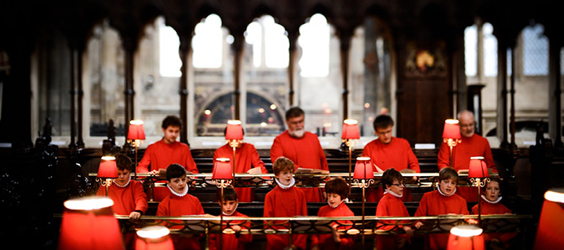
x,y
336,236
134,215
408,231
236,228
418,224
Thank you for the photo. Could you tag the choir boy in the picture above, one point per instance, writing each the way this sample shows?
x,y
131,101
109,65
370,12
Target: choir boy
x,y
237,240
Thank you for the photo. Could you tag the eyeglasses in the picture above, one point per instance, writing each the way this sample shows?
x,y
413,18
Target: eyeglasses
x,y
398,184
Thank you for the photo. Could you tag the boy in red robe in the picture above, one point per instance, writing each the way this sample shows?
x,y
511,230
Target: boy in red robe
x,y
392,205
161,154
127,194
337,191
236,241
179,203
302,147
247,158
490,204
389,152
284,200
442,201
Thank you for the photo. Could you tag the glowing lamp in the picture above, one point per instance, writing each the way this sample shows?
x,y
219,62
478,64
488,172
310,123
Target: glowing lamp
x,y
363,169
350,130
451,129
551,223
234,130
89,223
466,237
222,169
136,130
478,168
108,167
153,238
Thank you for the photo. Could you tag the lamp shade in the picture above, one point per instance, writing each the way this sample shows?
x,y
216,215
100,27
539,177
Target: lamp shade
x,y
478,168
466,237
363,169
350,130
234,130
550,229
89,223
153,238
222,169
136,130
108,167
451,129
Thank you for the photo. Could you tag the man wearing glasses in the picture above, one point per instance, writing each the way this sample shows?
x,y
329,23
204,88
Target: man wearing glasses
x,y
471,145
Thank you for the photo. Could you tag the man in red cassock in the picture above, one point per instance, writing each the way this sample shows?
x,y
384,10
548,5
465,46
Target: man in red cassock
x,y
161,154
471,145
387,152
302,147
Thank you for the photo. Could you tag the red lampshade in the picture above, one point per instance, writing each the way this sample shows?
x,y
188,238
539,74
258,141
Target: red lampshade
x,y
222,169
108,167
153,238
350,130
89,223
363,169
466,237
234,130
136,130
478,168
451,129
550,229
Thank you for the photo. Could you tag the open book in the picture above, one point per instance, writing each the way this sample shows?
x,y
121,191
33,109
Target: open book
x,y
301,170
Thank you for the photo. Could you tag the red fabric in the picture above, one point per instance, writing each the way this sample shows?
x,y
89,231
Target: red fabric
x,y
126,199
398,155
498,208
461,153
160,155
390,205
289,202
231,241
434,203
305,152
325,241
173,205
247,157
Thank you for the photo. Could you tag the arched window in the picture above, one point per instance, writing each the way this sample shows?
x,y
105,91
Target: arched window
x,y
207,43
535,51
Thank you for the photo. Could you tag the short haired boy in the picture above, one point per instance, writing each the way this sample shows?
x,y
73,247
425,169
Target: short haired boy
x,y
337,191
284,200
441,202
179,203
392,205
161,154
235,241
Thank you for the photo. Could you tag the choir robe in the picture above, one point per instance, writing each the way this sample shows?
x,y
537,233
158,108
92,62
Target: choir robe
x,y
247,157
174,205
475,145
433,203
398,155
305,152
231,241
496,208
160,155
289,202
325,241
390,205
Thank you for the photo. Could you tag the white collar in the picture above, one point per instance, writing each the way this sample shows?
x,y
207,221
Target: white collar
x,y
292,182
445,195
491,202
337,204
176,193
393,194
127,183
234,210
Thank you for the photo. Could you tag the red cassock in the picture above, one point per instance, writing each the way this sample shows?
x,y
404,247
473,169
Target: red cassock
x,y
232,241
173,205
289,202
390,205
305,152
398,155
160,155
325,241
247,157
495,208
434,203
461,153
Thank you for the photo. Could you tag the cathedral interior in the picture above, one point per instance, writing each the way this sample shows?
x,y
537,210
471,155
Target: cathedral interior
x,y
74,73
